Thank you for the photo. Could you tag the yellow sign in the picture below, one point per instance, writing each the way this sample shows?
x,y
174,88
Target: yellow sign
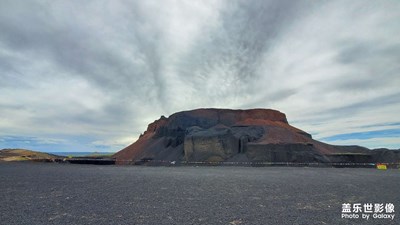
x,y
381,166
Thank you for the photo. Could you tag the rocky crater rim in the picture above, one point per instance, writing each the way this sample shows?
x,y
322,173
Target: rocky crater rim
x,y
210,117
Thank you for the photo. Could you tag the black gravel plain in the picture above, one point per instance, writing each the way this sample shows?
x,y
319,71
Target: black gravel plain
x,y
52,193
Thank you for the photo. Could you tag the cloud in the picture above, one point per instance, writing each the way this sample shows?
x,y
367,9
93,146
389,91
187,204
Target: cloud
x,y
34,143
365,135
372,143
104,70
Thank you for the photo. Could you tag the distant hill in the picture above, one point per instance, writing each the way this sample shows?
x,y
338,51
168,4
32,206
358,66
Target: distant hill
x,y
253,135
24,155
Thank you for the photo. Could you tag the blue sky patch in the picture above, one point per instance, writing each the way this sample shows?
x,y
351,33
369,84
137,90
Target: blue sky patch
x,y
59,144
365,135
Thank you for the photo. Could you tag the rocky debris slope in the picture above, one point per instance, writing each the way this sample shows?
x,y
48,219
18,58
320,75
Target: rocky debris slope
x,y
254,135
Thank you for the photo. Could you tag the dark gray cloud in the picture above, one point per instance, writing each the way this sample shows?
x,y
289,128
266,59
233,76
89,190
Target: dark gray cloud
x,y
104,70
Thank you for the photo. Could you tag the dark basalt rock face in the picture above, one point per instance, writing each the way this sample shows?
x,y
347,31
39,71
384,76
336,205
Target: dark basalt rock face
x,y
386,155
255,135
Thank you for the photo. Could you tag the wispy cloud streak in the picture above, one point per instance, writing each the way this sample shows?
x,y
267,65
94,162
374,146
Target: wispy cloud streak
x,y
104,70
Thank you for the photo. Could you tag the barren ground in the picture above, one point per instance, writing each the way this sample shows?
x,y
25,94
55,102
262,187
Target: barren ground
x,y
51,193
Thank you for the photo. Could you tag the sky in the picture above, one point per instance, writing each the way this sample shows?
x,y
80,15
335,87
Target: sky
x,y
91,75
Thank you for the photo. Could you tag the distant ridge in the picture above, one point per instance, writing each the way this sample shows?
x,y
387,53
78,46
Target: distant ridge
x,y
82,153
24,155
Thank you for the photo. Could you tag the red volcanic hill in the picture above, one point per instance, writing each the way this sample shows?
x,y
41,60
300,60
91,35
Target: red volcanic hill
x,y
214,135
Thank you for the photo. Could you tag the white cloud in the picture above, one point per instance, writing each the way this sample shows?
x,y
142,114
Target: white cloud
x,y
309,59
106,70
391,143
